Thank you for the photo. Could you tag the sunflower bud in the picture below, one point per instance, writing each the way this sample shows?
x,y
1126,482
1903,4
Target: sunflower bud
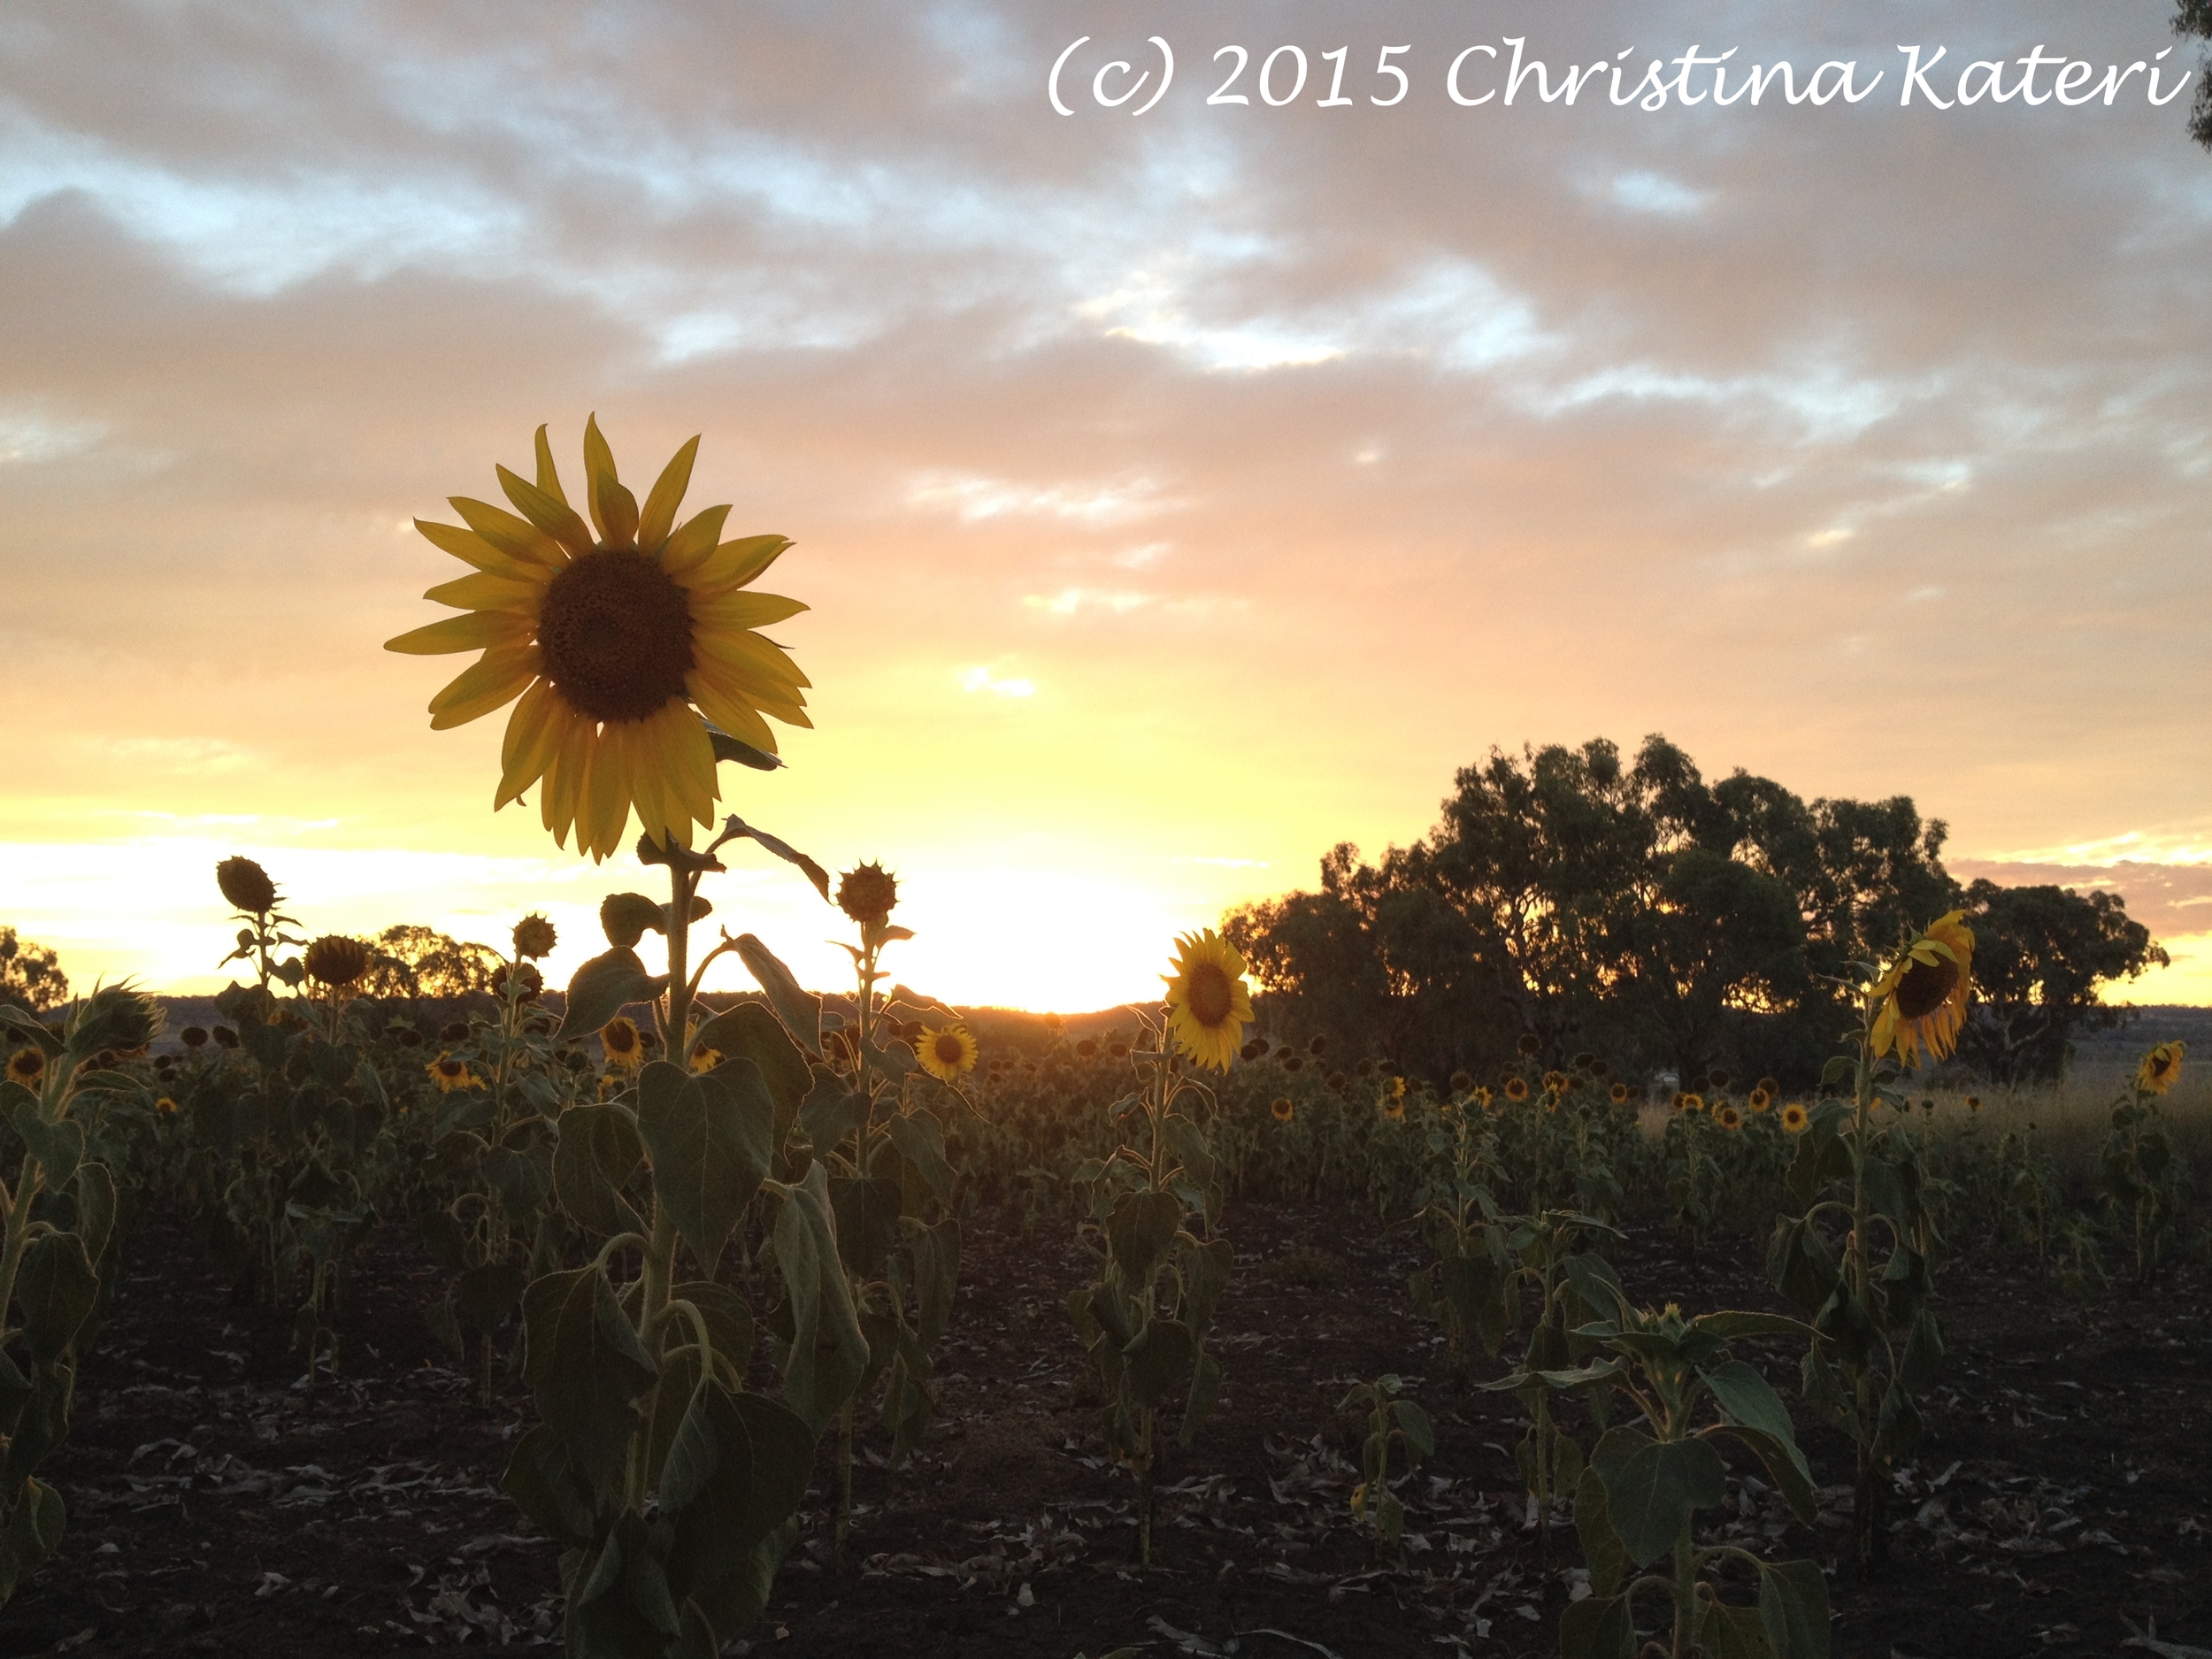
x,y
119,1017
868,893
336,961
535,936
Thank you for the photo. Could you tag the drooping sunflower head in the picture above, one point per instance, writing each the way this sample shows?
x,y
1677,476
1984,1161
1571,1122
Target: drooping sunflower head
x,y
1283,1110
868,893
449,1074
246,886
617,635
947,1054
1462,1081
26,1066
336,961
1794,1116
2160,1066
624,1044
1920,1001
535,937
193,1036
1528,1046
1208,1007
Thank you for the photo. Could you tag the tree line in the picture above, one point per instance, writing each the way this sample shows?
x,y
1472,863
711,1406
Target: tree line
x,y
1634,910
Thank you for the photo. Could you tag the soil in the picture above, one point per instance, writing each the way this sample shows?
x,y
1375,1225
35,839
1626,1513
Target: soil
x,y
2060,1502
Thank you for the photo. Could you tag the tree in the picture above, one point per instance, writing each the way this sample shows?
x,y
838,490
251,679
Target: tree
x,y
30,975
2040,955
417,962
2194,18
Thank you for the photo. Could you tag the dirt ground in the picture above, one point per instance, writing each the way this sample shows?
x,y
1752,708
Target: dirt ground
x,y
2061,1501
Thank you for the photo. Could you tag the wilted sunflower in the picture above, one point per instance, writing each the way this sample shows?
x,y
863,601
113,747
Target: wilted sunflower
x,y
610,639
246,886
1729,1117
26,1066
1517,1088
336,961
1922,999
449,1074
625,1046
1794,1116
1207,1005
1283,1110
2160,1066
948,1054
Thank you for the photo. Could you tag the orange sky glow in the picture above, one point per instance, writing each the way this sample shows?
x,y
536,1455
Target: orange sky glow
x,y
1175,495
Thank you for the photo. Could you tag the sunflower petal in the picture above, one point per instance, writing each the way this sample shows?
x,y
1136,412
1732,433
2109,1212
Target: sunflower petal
x,y
471,631
649,782
613,509
517,538
549,475
739,608
570,777
667,495
730,711
694,544
533,736
749,655
550,514
495,679
471,548
778,701
609,806
485,592
734,564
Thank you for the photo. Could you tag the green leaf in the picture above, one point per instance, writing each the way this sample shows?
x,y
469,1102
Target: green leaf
x,y
1600,1544
602,988
586,1370
828,1354
867,1212
729,1320
749,1031
1162,1351
598,1151
59,1146
1140,1230
1746,1398
1733,1632
831,1112
1414,1423
1597,1627
728,747
1924,1352
710,1139
56,1288
735,826
95,1192
1205,1389
800,1010
921,1142
1206,1269
1799,1264
1651,1494
1898,1428
1794,1607
1731,1327
34,1534
543,1485
936,1276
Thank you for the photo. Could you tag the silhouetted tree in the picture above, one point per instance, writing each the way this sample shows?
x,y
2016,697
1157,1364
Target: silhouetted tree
x,y
2042,956
30,975
2193,19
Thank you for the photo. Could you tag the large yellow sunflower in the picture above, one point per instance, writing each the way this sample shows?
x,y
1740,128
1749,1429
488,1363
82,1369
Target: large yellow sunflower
x,y
616,642
1922,998
1207,1005
2160,1066
948,1054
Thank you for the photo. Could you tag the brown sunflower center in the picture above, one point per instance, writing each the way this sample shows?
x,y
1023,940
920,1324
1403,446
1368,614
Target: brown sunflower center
x,y
451,1068
1211,995
1925,986
948,1050
614,634
2160,1064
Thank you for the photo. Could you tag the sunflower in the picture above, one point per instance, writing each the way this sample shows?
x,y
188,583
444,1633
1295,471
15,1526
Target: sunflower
x,y
1761,1097
1394,1111
449,1074
1207,1005
706,1059
1794,1116
25,1066
1973,1102
1729,1117
624,1044
616,642
948,1054
1483,1097
166,1106
1283,1110
1921,1000
1618,1094
1689,1103
2160,1066
1517,1088
335,961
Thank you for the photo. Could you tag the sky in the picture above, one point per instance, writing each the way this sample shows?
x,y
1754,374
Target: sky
x,y
1179,487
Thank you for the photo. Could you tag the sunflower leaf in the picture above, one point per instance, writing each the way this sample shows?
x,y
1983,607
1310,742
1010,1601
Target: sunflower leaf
x,y
603,986
735,826
728,747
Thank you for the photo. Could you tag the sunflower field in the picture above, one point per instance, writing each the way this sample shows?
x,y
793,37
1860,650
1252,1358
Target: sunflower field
x,y
644,1321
